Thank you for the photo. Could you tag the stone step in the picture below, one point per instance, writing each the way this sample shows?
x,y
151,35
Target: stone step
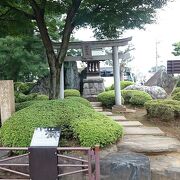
x,y
148,144
143,131
98,109
165,167
96,104
118,118
130,123
107,113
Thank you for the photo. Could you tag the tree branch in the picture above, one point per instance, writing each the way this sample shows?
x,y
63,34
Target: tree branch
x,y
28,15
68,28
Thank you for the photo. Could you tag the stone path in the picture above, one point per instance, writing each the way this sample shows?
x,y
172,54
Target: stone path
x,y
163,151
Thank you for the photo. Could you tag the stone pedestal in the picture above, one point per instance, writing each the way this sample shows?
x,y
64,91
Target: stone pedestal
x,y
7,102
92,86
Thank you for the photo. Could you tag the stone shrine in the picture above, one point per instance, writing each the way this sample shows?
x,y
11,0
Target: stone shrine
x,y
7,102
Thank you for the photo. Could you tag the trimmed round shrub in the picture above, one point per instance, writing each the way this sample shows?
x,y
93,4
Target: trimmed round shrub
x,y
80,100
176,90
163,109
71,92
108,98
135,97
25,104
75,120
124,84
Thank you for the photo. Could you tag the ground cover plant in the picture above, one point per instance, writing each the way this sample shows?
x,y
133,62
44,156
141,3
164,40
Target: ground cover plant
x,y
176,96
163,109
77,121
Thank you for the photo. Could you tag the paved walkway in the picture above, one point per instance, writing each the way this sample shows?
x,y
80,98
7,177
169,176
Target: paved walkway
x,y
163,151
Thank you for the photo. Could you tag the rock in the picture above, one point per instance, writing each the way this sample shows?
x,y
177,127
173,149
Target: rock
x,y
155,92
162,79
125,166
165,167
148,144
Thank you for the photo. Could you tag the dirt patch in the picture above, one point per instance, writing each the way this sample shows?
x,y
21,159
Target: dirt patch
x,y
171,128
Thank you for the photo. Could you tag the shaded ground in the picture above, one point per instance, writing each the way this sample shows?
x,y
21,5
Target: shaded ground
x,y
171,128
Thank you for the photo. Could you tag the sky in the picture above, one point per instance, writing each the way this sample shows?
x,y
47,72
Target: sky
x,y
165,32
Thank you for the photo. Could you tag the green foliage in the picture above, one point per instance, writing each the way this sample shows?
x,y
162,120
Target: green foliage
x,y
21,59
176,51
24,88
124,84
108,98
176,96
81,100
71,92
163,109
20,97
74,119
25,104
135,97
176,90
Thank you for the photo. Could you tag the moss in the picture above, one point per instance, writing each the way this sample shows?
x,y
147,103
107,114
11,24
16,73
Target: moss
x,y
71,92
74,119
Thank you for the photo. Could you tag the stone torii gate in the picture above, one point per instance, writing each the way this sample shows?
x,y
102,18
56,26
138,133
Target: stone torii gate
x,y
93,68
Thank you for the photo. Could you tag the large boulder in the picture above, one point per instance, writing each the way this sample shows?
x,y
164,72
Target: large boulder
x,y
155,92
164,80
126,166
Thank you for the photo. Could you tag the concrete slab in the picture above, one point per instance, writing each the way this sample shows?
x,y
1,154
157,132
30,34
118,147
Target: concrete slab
x,y
96,104
143,131
149,144
118,118
130,123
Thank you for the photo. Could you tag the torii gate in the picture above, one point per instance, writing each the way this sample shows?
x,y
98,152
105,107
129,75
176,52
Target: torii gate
x,y
93,61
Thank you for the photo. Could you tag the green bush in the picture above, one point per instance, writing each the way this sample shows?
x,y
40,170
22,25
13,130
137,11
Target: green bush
x,y
135,97
176,96
80,100
25,104
71,92
108,98
163,109
176,90
74,119
20,97
124,84
23,87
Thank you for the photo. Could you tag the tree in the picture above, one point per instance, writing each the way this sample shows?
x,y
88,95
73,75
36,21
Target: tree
x,y
108,18
22,59
176,51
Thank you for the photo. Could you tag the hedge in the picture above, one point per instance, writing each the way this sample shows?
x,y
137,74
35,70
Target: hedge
x,y
80,100
163,109
20,97
176,90
23,105
71,92
135,97
124,84
75,120
176,96
108,98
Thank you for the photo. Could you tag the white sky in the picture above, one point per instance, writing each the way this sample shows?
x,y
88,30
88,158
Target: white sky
x,y
166,31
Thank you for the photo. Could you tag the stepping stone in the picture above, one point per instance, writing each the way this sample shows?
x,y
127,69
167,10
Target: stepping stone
x,y
143,131
130,123
96,104
99,109
107,113
118,118
148,144
165,167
